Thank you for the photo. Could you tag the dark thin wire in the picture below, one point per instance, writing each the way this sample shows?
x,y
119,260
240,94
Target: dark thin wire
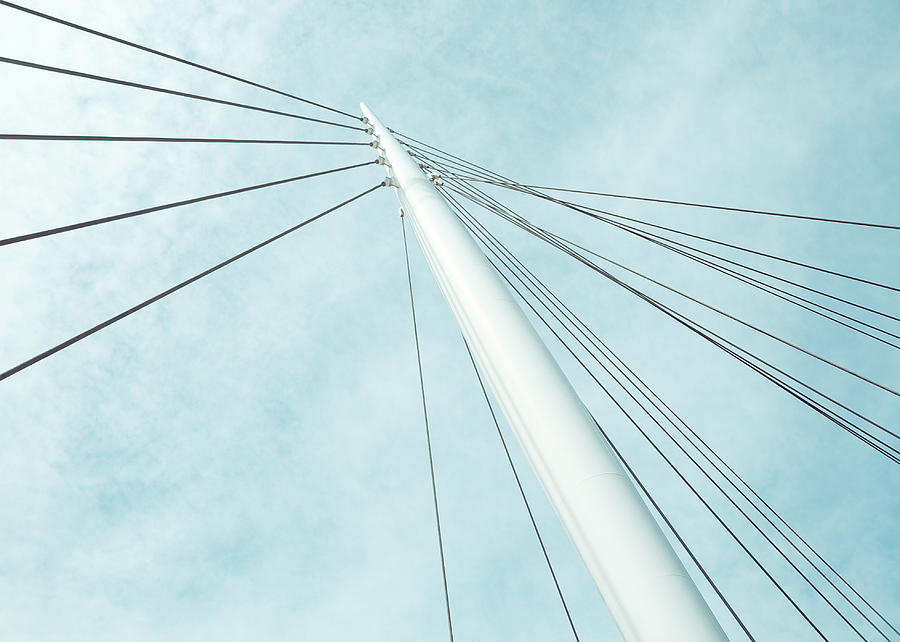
x,y
584,210
157,208
671,527
509,184
421,154
162,139
156,52
654,200
521,490
768,288
631,376
186,282
656,506
541,232
744,482
669,462
683,543
705,206
172,92
733,318
721,342
699,466
708,334
437,515
755,328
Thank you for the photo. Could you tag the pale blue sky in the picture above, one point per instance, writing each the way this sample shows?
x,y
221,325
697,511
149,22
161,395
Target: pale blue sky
x,y
246,460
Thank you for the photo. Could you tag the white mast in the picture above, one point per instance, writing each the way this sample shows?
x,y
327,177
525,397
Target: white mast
x,y
645,586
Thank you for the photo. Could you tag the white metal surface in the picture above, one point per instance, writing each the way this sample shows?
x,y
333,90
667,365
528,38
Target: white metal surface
x,y
645,586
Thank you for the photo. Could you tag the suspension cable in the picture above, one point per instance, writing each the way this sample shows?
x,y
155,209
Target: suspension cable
x,y
691,252
738,476
167,139
585,210
184,61
172,92
685,480
186,282
444,163
510,184
504,180
655,401
437,514
476,233
157,208
573,319
557,241
541,232
735,351
515,473
755,328
700,205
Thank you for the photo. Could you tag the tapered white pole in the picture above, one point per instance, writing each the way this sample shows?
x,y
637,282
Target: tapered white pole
x,y
645,586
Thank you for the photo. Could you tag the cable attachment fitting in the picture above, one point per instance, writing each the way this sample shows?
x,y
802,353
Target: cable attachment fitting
x,y
435,178
369,130
381,160
389,182
376,145
423,165
400,211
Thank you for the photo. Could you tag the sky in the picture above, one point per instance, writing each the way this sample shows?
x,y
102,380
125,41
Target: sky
x,y
246,458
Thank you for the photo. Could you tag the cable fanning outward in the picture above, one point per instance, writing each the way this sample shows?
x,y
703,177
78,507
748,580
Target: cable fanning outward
x,y
175,288
721,208
493,241
480,233
687,249
171,92
499,179
515,473
168,139
655,401
162,54
437,514
583,209
739,353
157,208
540,232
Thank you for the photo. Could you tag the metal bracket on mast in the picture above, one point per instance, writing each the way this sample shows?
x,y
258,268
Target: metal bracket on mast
x,y
646,588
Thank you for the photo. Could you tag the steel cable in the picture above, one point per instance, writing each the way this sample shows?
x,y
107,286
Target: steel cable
x,y
169,139
157,208
723,344
569,317
437,514
156,52
172,92
515,473
78,337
